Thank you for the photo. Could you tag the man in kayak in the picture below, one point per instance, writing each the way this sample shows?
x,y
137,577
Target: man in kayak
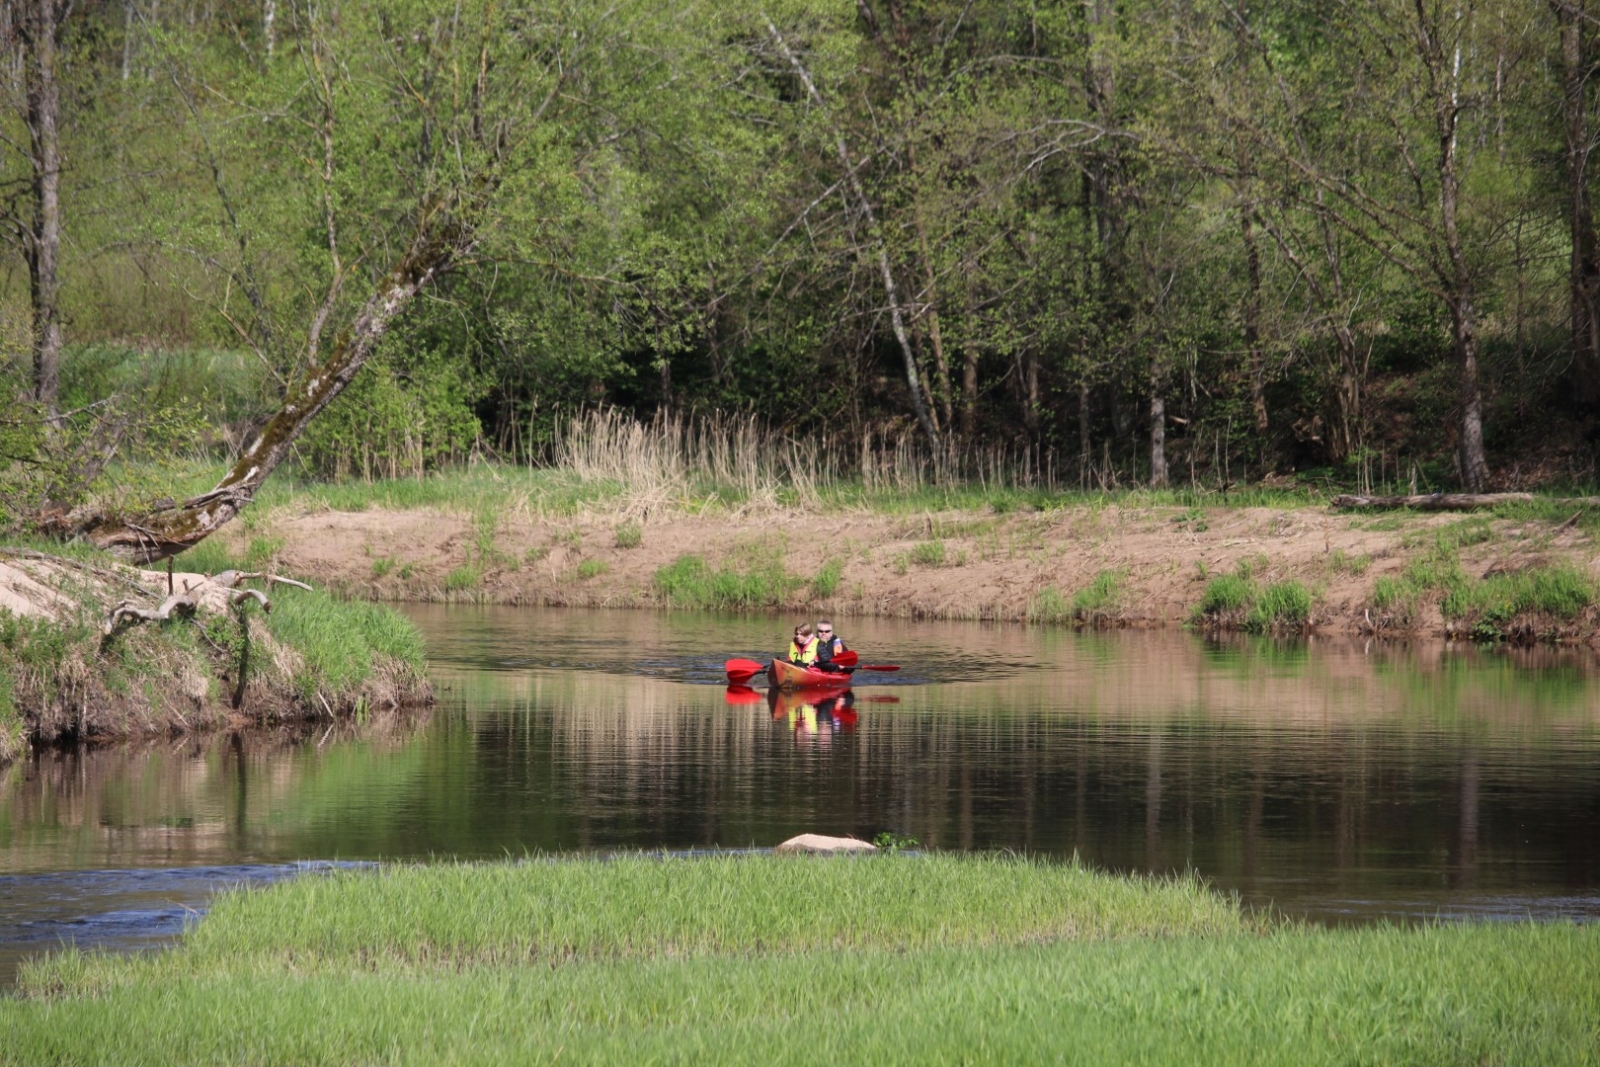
x,y
829,644
803,649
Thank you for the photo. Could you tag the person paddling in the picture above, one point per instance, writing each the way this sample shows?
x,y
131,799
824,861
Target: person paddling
x,y
829,644
803,649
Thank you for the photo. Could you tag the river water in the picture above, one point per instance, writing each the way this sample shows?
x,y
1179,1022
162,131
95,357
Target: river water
x,y
1334,780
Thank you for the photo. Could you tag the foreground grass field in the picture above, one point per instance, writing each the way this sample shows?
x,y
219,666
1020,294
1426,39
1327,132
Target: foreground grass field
x,y
889,959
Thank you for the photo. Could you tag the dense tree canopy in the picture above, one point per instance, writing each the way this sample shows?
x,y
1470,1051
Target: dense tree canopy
x,y
1123,238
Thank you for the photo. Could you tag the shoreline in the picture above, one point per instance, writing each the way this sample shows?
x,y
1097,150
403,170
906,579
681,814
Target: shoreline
x,y
1110,567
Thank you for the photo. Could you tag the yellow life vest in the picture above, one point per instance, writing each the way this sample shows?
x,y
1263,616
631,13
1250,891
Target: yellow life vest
x,y
805,655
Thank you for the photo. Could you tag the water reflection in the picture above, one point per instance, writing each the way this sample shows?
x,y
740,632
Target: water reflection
x,y
1338,780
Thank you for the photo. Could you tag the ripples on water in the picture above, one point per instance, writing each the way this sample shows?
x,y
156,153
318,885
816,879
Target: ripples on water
x,y
1335,780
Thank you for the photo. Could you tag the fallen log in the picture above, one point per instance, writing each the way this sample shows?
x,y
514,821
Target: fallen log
x,y
1456,501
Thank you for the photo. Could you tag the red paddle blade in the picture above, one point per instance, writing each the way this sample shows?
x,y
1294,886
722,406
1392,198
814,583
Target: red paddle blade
x,y
880,698
740,670
743,694
879,667
847,659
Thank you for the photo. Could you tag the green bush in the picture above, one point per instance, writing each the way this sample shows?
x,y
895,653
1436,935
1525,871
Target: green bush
x,y
928,553
592,568
630,535
407,411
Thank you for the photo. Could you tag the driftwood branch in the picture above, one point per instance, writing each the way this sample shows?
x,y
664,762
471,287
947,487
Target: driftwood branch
x,y
1457,501
233,579
251,594
178,606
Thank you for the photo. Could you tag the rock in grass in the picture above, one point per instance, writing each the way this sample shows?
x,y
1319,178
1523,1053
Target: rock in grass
x,y
819,843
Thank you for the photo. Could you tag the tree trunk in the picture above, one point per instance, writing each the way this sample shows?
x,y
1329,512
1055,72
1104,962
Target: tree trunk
x,y
41,28
1583,287
439,240
969,390
1474,468
1455,273
1158,440
1252,324
1085,446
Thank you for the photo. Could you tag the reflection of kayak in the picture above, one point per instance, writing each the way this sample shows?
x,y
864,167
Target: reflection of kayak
x,y
812,705
785,675
785,700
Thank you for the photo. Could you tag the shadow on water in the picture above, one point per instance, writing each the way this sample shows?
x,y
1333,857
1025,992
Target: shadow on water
x,y
1337,780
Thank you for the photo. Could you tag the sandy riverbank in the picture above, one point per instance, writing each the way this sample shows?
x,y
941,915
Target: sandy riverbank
x,y
955,564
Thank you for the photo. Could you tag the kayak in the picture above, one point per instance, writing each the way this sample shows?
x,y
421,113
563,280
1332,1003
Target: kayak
x,y
785,675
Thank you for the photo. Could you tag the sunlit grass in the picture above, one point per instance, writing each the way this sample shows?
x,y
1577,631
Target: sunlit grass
x,y
892,959
690,582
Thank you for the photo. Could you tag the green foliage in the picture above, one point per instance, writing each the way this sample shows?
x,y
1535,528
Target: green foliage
x,y
758,581
928,553
1280,606
893,841
410,410
1101,597
1226,594
826,581
1048,606
1342,563
340,641
462,578
1495,603
592,568
630,535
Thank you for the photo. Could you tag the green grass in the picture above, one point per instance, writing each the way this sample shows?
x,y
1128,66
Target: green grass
x,y
1280,606
893,959
1502,605
462,578
1048,606
1495,605
340,641
826,581
1102,597
592,568
1235,600
1226,593
928,553
758,581
629,535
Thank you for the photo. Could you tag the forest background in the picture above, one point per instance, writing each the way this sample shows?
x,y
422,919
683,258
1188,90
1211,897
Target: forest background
x,y
1088,243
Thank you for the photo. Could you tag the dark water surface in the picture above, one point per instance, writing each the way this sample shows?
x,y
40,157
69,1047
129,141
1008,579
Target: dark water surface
x,y
1334,780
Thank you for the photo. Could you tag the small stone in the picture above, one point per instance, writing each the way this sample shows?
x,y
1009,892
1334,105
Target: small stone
x,y
819,843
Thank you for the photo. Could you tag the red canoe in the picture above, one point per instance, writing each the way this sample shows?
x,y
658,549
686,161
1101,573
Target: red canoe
x,y
785,675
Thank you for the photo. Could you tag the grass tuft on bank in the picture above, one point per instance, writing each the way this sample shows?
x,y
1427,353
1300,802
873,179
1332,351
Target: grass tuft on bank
x,y
311,656
1237,602
759,580
1525,604
884,959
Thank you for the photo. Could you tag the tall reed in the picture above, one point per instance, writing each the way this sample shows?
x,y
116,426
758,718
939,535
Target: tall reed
x,y
675,453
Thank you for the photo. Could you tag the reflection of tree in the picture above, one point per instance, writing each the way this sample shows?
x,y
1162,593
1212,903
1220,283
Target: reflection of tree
x,y
201,799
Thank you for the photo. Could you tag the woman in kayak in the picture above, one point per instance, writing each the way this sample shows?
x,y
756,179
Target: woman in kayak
x,y
803,649
829,645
